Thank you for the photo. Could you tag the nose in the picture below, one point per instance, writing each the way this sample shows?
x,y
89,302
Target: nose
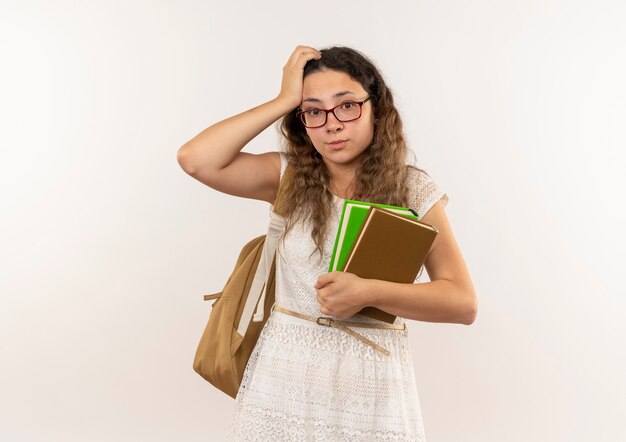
x,y
332,123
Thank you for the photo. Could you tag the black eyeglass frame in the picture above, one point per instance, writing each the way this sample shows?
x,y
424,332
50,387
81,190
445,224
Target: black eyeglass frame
x,y
300,114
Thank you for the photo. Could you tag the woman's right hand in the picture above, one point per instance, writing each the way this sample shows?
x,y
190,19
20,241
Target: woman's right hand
x,y
293,71
214,156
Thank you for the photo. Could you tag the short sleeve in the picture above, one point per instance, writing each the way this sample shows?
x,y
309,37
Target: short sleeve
x,y
283,163
424,192
283,167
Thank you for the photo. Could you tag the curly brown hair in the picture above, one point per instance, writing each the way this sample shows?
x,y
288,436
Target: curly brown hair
x,y
384,161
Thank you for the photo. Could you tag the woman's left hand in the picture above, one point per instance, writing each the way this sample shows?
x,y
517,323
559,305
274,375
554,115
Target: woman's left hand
x,y
341,294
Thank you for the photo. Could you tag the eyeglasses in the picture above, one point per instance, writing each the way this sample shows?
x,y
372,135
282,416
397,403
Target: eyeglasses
x,y
346,111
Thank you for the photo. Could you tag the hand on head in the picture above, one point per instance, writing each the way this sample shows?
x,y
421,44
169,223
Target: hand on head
x,y
293,71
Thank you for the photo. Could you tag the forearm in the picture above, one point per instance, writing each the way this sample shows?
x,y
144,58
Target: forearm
x,y
436,301
217,146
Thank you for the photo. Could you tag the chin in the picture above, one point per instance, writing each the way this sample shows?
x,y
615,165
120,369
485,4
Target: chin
x,y
340,157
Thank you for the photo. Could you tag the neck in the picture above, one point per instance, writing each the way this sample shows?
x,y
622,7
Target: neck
x,y
342,178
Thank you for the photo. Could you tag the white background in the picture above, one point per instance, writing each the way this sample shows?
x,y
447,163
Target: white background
x,y
516,108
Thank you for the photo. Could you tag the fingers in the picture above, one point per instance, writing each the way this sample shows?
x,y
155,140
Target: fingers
x,y
302,54
323,280
323,309
321,296
291,85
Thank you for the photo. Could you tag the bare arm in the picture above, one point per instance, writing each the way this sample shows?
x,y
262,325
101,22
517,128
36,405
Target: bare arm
x,y
449,297
214,156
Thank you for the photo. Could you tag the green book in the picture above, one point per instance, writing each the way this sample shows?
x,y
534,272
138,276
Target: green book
x,y
352,217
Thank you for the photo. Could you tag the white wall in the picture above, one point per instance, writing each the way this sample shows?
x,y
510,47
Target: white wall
x,y
516,108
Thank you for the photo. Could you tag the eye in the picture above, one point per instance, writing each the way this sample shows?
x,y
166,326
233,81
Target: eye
x,y
312,112
348,105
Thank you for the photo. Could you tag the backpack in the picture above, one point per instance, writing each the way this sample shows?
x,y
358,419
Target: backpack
x,y
241,309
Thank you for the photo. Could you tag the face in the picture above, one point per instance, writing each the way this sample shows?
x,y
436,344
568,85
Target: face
x,y
325,90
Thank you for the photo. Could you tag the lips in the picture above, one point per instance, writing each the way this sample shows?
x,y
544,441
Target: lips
x,y
337,144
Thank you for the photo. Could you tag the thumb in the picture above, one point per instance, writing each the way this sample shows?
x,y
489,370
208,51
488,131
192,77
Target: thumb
x,y
323,280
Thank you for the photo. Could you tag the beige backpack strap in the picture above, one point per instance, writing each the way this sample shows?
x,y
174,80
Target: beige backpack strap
x,y
279,204
263,271
256,296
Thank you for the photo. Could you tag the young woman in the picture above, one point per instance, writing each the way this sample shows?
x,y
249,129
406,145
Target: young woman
x,y
343,140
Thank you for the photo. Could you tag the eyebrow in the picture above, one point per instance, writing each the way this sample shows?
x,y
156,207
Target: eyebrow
x,y
338,94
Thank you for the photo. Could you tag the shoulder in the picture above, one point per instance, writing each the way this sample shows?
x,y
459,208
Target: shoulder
x,y
281,160
424,191
271,162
